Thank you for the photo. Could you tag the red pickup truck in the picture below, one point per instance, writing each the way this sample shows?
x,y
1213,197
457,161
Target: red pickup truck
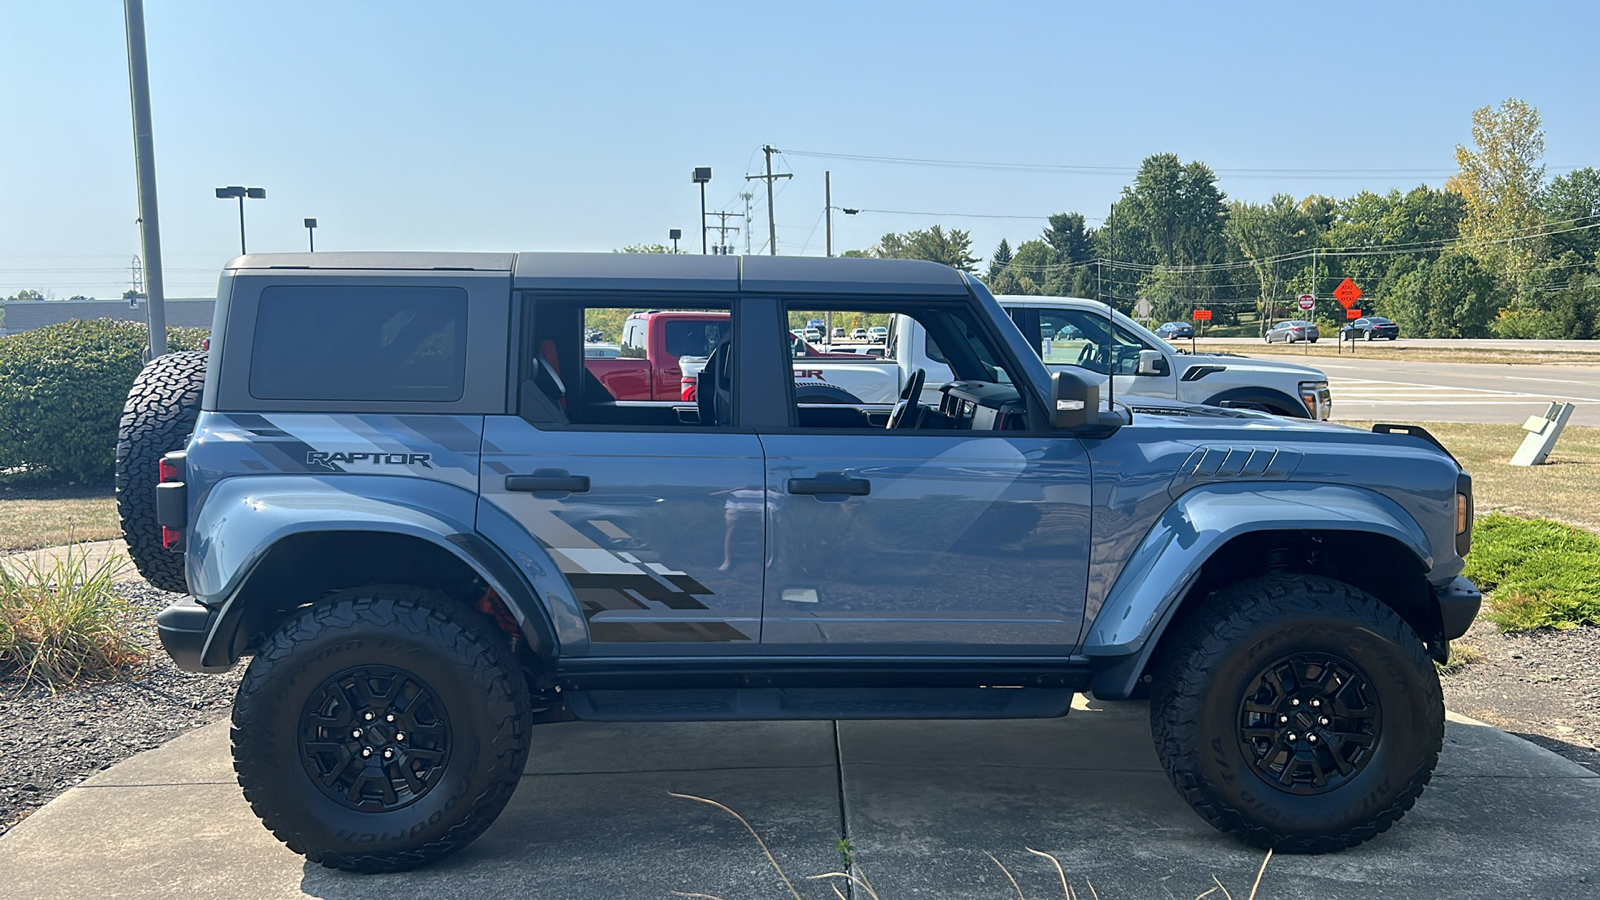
x,y
653,342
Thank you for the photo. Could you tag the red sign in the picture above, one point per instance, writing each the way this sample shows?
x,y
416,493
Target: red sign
x,y
1308,302
1347,293
1352,314
1202,315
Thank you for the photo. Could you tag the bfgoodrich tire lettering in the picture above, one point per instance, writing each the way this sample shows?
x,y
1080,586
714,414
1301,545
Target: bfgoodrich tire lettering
x,y
405,643
1204,687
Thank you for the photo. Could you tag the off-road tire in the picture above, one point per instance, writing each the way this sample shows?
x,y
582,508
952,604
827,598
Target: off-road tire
x,y
1206,673
158,418
459,655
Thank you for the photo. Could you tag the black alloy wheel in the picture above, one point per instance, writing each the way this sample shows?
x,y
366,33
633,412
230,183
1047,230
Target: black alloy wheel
x,y
374,738
1310,723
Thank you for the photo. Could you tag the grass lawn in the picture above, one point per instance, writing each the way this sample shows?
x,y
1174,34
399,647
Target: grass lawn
x,y
36,514
1567,489
1386,350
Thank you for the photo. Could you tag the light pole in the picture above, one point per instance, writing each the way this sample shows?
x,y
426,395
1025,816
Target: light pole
x,y
702,175
232,191
311,234
674,235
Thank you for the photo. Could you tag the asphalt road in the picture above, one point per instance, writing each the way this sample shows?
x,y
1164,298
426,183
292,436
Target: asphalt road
x,y
1458,392
1374,388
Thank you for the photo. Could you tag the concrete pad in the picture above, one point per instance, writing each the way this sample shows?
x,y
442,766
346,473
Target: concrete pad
x,y
93,553
592,818
1498,820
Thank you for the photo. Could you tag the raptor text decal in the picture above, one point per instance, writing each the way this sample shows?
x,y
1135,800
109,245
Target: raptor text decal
x,y
327,460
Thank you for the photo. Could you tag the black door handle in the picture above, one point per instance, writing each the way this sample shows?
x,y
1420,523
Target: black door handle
x,y
831,484
548,480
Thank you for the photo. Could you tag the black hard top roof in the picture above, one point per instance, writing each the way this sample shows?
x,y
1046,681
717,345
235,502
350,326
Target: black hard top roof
x,y
665,272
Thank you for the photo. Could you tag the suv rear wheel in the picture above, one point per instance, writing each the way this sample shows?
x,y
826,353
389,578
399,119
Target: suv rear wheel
x,y
381,730
1298,713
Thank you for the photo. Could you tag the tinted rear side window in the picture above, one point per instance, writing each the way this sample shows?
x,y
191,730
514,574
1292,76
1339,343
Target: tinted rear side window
x,y
360,343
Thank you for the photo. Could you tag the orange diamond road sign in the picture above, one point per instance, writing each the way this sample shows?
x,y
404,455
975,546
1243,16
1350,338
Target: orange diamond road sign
x,y
1347,293
1202,315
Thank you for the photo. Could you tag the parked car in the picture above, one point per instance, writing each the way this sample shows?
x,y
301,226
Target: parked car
x,y
1368,328
1293,332
877,334
1175,331
858,334
426,567
1069,332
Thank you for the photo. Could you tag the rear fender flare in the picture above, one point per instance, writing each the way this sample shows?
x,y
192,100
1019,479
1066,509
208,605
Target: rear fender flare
x,y
243,519
1128,626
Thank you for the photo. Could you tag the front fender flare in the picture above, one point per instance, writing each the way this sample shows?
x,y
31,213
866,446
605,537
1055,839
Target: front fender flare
x,y
1160,572
1270,397
242,519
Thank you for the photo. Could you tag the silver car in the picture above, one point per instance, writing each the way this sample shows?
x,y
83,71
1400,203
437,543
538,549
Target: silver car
x,y
1294,331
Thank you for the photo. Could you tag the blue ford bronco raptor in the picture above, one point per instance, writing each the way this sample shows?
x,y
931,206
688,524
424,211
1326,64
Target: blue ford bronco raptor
x,y
393,485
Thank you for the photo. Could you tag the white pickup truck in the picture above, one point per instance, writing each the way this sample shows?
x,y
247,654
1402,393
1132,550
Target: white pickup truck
x,y
1070,331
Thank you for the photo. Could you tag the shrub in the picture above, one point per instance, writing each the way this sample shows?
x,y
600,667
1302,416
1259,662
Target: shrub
x,y
1538,573
62,390
64,622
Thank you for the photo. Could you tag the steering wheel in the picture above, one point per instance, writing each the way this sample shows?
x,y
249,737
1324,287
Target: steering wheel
x,y
1087,353
906,410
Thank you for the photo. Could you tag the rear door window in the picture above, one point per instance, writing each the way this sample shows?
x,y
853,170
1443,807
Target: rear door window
x,y
360,343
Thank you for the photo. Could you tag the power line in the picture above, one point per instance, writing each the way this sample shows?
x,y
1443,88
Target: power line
x,y
1069,169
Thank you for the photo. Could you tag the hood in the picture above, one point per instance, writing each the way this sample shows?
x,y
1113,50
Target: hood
x,y
1241,364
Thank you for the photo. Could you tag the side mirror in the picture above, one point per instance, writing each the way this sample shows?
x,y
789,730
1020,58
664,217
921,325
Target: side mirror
x,y
1151,362
1074,400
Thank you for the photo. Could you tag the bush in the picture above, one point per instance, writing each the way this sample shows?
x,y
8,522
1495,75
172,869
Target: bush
x,y
62,390
64,622
1538,573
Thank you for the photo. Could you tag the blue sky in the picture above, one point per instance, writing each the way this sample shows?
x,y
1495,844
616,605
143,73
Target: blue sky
x,y
574,126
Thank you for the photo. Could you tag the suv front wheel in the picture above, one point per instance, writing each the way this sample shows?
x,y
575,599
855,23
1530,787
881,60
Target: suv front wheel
x,y
1297,712
381,729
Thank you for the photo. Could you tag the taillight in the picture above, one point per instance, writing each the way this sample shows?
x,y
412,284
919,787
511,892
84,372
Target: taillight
x,y
170,537
168,470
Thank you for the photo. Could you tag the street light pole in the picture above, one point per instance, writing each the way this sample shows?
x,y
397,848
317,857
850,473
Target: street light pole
x,y
311,231
702,175
144,157
232,191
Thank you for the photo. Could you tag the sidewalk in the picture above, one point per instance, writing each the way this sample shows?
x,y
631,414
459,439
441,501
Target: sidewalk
x,y
919,801
95,553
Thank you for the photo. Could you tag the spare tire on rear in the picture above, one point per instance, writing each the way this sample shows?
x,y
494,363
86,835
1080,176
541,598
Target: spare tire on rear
x,y
157,419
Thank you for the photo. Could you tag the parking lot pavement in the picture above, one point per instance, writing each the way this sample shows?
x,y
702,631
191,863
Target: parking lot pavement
x,y
921,802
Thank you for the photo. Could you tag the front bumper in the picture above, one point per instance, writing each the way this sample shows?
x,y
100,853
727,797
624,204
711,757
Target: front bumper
x,y
1458,606
184,627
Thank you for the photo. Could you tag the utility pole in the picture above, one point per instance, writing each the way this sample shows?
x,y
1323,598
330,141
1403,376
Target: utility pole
x,y
827,204
772,220
144,157
747,197
722,230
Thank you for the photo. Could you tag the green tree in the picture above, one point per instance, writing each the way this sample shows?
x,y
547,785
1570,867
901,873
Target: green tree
x,y
1000,259
1499,181
1179,210
953,247
1454,296
644,248
25,295
1572,201
1263,234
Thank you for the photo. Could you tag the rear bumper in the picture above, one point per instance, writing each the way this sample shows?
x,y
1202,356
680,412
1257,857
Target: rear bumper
x,y
1458,606
183,628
